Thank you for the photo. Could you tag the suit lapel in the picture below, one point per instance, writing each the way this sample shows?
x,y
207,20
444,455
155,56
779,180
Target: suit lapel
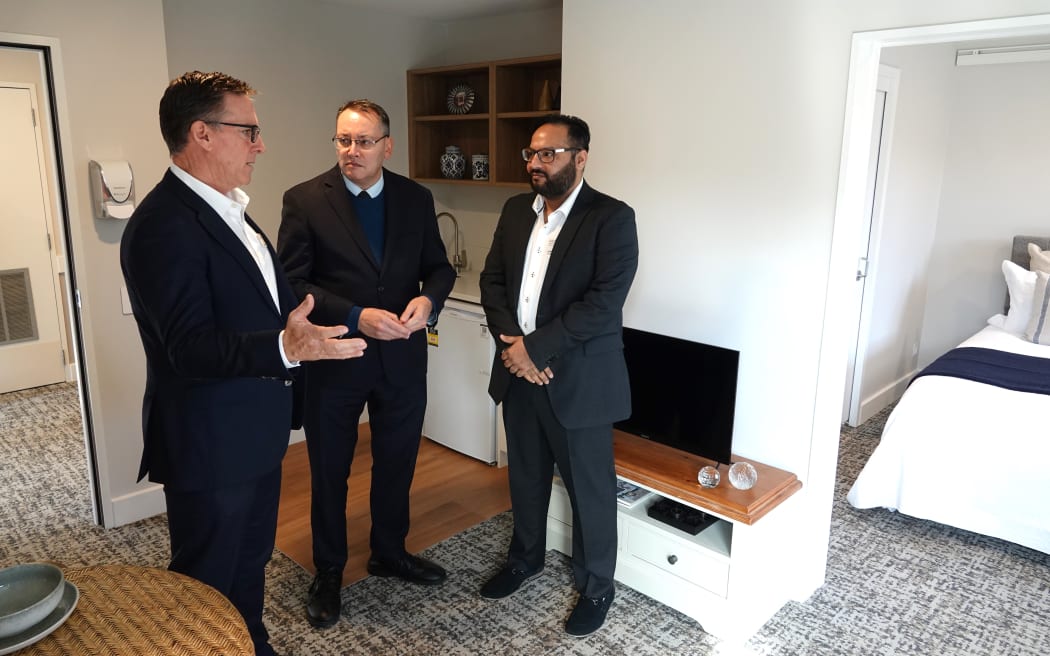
x,y
566,236
214,225
339,199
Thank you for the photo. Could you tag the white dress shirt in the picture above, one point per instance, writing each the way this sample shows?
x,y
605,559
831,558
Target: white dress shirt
x,y
231,207
545,232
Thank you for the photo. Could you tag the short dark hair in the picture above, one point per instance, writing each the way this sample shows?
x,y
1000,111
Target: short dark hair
x,y
579,133
365,106
195,96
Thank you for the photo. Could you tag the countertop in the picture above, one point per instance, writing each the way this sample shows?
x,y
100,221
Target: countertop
x,y
466,288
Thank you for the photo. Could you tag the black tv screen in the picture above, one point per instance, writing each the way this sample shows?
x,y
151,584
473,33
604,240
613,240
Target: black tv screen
x,y
683,394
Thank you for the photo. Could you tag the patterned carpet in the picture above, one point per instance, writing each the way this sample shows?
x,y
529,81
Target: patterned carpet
x,y
895,584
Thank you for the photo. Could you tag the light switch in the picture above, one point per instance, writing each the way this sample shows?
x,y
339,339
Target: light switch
x,y
125,301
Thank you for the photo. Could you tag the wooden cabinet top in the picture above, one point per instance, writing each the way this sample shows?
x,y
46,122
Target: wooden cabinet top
x,y
673,473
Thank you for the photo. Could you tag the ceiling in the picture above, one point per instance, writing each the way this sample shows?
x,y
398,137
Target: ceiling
x,y
447,10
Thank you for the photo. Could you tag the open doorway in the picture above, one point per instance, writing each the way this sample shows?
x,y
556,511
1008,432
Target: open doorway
x,y
866,55
26,67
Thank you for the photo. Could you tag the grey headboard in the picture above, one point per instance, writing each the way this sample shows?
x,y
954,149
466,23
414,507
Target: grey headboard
x,y
1019,256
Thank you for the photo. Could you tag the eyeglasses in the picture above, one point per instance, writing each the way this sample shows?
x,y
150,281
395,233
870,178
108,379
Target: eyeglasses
x,y
362,144
546,155
250,131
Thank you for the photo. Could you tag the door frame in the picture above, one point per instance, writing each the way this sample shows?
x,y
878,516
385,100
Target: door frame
x,y
889,82
55,117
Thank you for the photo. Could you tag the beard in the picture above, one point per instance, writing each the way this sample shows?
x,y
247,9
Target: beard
x,y
556,184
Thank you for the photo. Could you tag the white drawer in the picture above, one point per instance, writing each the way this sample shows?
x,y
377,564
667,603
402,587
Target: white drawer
x,y
691,563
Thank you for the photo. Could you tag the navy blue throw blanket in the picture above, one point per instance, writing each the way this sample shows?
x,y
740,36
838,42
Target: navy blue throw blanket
x,y
1023,373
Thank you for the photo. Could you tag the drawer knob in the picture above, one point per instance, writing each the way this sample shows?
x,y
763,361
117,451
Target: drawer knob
x,y
672,559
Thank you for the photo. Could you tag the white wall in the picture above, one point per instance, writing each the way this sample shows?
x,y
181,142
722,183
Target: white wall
x,y
721,123
995,186
110,77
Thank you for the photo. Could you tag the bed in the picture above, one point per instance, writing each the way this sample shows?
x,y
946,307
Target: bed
x,y
971,454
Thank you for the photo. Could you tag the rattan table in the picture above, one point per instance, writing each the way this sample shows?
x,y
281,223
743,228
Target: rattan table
x,y
145,611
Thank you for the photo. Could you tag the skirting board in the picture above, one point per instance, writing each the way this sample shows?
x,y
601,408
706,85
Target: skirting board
x,y
891,393
137,505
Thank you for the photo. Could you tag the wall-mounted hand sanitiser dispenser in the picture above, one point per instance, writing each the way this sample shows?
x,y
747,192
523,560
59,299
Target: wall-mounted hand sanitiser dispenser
x,y
112,189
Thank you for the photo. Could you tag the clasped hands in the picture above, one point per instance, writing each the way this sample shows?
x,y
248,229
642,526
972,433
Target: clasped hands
x,y
305,342
517,361
385,325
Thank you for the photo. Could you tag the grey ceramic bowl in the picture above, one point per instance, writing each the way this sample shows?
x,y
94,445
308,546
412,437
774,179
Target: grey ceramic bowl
x,y
28,593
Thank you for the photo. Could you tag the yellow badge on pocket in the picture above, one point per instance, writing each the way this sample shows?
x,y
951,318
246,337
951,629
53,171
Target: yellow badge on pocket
x,y
432,336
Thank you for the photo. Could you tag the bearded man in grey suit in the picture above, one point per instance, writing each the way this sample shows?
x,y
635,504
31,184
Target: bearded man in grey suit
x,y
553,287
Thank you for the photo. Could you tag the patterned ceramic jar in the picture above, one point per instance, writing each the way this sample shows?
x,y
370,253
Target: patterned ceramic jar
x,y
479,167
453,165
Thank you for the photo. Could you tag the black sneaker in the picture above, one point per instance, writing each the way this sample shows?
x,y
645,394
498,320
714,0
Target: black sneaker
x,y
506,582
589,614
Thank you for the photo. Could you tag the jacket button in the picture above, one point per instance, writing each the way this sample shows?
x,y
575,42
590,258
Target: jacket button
x,y
381,289
287,383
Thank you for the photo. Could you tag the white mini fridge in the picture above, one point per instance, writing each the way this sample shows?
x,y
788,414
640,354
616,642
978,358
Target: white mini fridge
x,y
460,413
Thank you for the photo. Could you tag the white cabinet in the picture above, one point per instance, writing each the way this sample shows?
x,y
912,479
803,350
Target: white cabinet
x,y
460,413
733,576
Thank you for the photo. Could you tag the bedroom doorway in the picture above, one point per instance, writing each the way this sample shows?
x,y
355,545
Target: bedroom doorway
x,y
866,50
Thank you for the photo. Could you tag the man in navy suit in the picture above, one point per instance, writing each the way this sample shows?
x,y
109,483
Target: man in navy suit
x,y
222,336
555,280
364,241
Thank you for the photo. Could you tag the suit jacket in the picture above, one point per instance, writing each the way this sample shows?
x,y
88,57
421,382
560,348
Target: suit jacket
x,y
579,319
326,253
218,404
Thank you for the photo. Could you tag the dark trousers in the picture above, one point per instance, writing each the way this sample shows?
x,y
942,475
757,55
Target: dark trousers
x,y
224,537
536,441
330,421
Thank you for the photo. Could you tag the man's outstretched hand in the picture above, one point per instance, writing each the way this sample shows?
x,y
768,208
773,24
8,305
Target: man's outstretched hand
x,y
305,342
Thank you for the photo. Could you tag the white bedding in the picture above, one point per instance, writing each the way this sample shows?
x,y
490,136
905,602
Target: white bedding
x,y
967,454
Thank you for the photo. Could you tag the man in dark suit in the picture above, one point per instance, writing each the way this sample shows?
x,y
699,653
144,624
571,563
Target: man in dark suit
x,y
364,241
222,334
553,287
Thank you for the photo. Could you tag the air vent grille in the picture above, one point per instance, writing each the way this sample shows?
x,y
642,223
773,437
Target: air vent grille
x,y
17,322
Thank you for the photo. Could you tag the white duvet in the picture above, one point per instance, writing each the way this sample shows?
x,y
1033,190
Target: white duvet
x,y
967,454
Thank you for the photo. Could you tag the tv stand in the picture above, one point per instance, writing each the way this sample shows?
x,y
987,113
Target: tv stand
x,y
734,574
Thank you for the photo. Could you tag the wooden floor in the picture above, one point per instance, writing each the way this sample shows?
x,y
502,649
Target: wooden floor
x,y
450,493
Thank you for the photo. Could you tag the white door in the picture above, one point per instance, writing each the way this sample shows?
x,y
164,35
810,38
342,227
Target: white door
x,y
31,352
882,126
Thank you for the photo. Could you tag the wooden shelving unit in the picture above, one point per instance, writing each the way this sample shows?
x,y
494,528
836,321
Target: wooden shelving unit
x,y
498,124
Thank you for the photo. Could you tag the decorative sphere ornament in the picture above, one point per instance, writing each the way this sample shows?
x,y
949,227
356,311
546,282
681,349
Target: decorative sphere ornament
x,y
708,476
742,475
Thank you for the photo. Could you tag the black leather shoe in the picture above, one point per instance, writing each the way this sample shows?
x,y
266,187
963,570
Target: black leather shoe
x,y
506,582
323,603
589,614
409,568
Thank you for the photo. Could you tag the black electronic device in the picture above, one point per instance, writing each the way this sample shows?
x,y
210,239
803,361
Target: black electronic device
x,y
683,393
682,517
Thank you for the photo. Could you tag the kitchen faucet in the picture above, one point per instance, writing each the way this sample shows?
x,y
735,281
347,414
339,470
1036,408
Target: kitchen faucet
x,y
459,256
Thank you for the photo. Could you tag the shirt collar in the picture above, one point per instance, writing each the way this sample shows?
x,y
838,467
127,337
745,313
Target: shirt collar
x,y
217,201
373,191
564,209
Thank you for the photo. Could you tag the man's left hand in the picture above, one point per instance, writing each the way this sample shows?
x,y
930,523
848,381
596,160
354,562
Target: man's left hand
x,y
416,313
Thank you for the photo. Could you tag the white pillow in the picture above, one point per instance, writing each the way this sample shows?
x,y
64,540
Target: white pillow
x,y
1021,285
1038,330
1040,259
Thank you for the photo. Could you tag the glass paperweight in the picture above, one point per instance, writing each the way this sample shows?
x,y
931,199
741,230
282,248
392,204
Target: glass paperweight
x,y
742,475
708,477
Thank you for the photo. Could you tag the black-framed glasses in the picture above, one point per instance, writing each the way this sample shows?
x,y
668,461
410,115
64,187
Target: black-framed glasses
x,y
546,155
250,131
362,144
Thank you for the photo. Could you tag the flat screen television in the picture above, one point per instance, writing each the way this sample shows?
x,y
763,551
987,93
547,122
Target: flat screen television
x,y
683,394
